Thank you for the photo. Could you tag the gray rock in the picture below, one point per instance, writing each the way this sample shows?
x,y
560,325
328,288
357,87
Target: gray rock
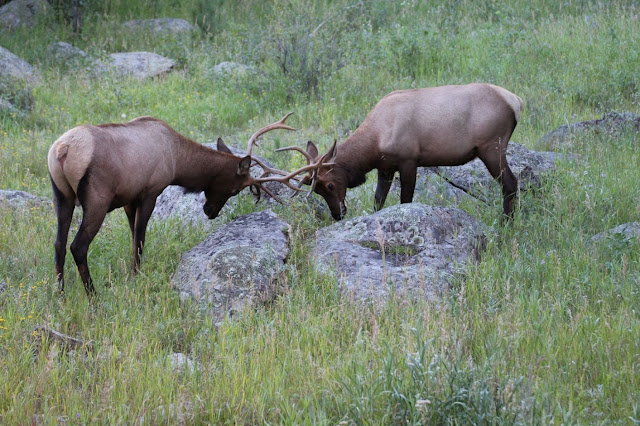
x,y
140,65
15,199
181,364
611,123
62,52
234,69
22,13
627,232
237,266
161,26
174,202
13,67
410,249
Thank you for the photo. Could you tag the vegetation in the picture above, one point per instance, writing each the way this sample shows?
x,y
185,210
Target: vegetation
x,y
546,329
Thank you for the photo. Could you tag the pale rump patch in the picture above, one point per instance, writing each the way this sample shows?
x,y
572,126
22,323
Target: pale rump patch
x,y
514,101
67,170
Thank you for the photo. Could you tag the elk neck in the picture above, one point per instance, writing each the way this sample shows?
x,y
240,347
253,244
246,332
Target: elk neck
x,y
197,165
357,156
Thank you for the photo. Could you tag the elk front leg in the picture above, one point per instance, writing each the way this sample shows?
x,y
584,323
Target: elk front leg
x,y
408,173
385,179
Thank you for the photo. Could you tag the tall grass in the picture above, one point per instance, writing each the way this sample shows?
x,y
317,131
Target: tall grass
x,y
545,329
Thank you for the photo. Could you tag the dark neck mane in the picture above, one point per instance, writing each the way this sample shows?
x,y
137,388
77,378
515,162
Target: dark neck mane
x,y
356,157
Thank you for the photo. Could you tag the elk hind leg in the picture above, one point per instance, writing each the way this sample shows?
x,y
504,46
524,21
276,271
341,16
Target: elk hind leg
x,y
499,169
92,219
64,207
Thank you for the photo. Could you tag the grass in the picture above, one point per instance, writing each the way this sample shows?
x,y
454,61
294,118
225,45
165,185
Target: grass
x,y
545,329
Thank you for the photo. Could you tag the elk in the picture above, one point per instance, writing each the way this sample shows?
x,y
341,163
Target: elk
x,y
407,129
128,165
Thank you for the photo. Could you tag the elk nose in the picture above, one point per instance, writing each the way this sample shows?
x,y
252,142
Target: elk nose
x,y
210,211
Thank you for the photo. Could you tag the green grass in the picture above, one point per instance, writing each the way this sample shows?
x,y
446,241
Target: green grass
x,y
544,330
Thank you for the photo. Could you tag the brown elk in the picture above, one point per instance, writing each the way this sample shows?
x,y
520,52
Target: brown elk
x,y
407,129
128,165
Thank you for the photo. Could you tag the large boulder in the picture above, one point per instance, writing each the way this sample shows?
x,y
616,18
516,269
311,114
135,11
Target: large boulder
x,y
160,26
15,68
238,266
610,124
140,65
65,53
627,233
20,199
411,250
22,13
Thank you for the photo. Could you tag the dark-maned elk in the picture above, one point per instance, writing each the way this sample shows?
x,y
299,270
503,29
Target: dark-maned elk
x,y
407,129
128,165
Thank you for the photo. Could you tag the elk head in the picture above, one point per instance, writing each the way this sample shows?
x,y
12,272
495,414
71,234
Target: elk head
x,y
235,181
327,179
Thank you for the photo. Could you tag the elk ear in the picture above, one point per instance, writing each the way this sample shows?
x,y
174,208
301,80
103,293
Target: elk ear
x,y
330,156
222,147
244,166
312,149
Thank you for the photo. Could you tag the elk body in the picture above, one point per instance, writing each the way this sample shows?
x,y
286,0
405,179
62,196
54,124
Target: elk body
x,y
128,165
407,129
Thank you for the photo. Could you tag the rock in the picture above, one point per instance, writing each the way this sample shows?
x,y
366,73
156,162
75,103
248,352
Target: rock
x,y
237,266
627,232
140,65
22,13
13,67
233,69
181,364
3,287
410,249
174,202
7,107
162,26
15,199
611,123
65,53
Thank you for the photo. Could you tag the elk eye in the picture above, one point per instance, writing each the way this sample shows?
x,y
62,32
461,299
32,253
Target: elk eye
x,y
330,186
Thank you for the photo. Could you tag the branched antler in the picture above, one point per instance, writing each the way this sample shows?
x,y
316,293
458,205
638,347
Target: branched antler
x,y
273,126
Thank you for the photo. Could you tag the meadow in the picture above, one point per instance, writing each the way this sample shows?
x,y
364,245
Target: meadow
x,y
544,330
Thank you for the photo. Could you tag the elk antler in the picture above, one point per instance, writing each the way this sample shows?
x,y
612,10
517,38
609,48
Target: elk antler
x,y
277,125
313,165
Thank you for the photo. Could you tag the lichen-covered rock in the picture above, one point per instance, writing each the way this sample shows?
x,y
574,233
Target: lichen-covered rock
x,y
611,123
15,199
14,68
410,249
160,26
627,232
231,69
237,266
22,13
140,65
65,53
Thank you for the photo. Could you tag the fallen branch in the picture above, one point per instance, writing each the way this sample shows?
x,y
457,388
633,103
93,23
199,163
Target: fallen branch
x,y
67,342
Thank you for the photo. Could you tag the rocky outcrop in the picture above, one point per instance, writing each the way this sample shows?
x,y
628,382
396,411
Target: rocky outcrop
x,y
611,123
65,53
238,266
140,65
627,232
160,26
20,199
411,250
19,13
12,66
